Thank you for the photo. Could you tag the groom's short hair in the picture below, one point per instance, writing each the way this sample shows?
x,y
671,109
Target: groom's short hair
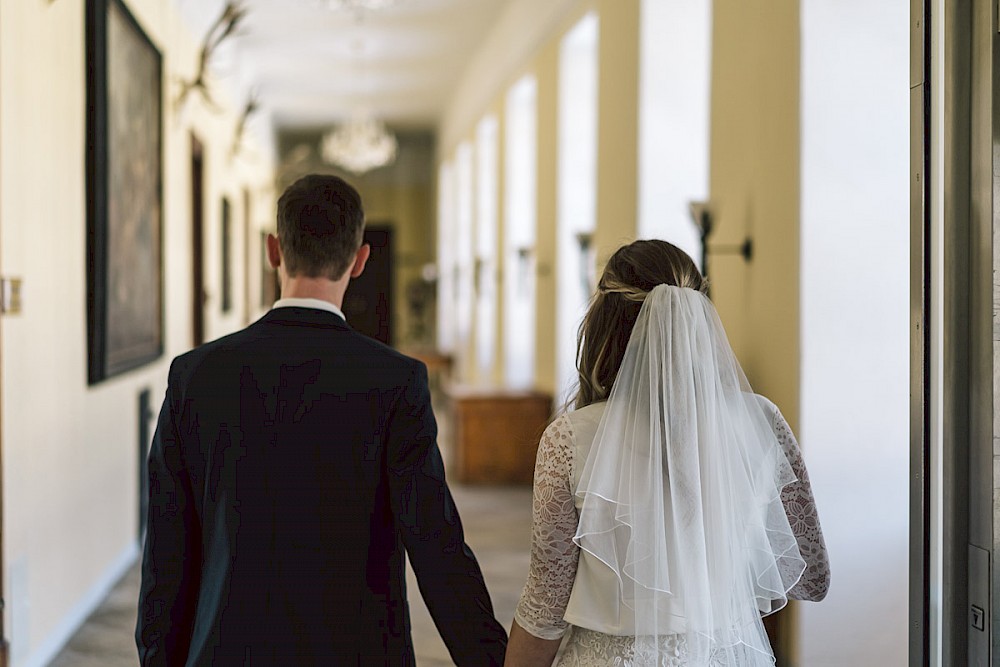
x,y
321,224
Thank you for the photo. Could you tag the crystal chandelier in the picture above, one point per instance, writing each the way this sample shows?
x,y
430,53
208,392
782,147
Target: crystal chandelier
x,y
362,143
359,145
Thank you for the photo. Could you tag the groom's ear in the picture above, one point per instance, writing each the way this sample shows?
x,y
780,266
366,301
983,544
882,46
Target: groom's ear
x,y
273,251
364,252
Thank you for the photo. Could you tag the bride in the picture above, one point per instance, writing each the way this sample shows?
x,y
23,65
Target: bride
x,y
672,508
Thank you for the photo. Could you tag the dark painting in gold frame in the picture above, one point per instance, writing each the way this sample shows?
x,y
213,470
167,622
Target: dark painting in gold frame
x,y
124,192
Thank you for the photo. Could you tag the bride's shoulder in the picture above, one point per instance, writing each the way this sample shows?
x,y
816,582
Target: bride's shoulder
x,y
765,403
567,424
589,414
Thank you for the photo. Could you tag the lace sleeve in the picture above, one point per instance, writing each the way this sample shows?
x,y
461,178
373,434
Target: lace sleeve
x,y
800,506
554,555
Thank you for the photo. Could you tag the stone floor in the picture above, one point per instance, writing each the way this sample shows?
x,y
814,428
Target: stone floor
x,y
497,526
497,529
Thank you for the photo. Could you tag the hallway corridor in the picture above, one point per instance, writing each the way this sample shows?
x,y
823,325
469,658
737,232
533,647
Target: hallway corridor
x,y
503,150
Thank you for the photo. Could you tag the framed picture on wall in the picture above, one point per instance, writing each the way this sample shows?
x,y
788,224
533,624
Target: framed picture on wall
x,y
368,302
124,193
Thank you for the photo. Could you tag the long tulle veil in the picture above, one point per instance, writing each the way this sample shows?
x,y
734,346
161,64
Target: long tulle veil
x,y
681,491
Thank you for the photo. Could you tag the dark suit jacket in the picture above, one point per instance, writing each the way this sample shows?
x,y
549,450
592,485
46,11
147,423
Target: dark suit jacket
x,y
292,463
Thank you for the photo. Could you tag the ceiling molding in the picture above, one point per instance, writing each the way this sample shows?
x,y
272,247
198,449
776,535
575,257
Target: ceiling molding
x,y
316,67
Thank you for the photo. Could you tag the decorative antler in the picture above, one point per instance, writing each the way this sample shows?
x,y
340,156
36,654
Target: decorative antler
x,y
232,15
251,107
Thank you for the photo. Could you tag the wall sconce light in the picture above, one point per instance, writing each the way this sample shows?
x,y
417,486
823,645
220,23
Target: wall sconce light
x,y
524,254
477,280
703,217
585,244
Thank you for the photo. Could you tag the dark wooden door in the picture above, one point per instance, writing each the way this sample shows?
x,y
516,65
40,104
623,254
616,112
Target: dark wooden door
x,y
368,301
146,415
247,245
227,255
270,286
197,242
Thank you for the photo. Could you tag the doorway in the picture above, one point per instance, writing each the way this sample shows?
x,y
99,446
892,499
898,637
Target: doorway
x,y
197,242
247,257
368,301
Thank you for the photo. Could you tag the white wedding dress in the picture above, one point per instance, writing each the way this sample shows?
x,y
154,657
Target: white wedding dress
x,y
562,454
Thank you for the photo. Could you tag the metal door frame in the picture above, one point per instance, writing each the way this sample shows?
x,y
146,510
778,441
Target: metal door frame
x,y
955,182
919,647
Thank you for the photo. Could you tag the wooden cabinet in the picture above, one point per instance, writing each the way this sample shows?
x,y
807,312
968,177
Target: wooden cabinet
x,y
496,433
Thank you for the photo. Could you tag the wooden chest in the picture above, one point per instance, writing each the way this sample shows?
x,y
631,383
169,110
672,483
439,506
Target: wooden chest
x,y
496,433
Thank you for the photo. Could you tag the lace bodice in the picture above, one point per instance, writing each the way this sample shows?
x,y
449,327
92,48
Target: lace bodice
x,y
800,507
554,555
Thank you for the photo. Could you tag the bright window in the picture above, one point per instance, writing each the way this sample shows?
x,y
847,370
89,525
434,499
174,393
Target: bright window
x,y
486,244
520,184
577,185
674,115
446,295
464,257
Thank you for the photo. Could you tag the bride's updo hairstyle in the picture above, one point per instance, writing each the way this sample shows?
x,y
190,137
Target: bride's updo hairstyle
x,y
629,276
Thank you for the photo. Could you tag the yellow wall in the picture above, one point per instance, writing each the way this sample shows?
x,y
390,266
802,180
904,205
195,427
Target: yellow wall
x,y
70,474
754,186
754,190
617,127
547,74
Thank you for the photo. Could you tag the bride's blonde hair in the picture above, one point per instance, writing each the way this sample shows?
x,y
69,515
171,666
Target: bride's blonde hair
x,y
630,274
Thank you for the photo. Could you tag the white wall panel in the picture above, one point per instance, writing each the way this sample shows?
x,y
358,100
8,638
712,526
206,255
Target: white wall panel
x,y
855,315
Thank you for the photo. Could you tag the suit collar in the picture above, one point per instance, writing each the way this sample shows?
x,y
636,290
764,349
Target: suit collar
x,y
318,304
304,316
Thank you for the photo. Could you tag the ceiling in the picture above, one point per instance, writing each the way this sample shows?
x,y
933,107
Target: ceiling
x,y
312,66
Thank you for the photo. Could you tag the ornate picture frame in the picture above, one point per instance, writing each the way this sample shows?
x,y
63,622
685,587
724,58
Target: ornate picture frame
x,y
124,192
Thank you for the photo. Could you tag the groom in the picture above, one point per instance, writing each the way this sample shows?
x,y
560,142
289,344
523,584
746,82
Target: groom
x,y
293,463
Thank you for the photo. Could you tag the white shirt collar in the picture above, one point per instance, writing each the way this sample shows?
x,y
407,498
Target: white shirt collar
x,y
318,304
